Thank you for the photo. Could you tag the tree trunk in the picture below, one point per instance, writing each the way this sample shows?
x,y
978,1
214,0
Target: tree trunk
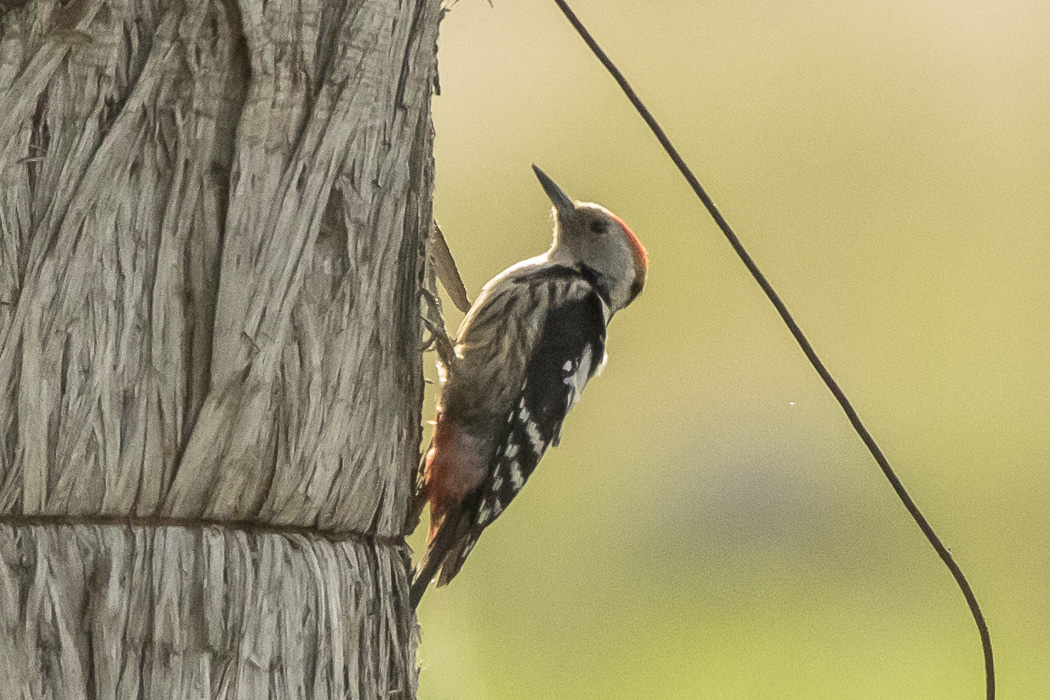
x,y
212,218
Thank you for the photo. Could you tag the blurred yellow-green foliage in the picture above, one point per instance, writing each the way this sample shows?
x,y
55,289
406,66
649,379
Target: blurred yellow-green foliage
x,y
710,526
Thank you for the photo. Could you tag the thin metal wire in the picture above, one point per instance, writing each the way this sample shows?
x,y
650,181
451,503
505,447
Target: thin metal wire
x,y
803,342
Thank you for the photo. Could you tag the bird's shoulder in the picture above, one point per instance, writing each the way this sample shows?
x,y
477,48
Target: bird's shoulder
x,y
528,291
537,332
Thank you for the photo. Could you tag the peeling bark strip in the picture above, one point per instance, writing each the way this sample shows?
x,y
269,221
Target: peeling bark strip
x,y
212,217
190,613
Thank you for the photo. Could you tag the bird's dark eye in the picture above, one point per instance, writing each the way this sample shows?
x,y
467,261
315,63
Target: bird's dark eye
x,y
599,226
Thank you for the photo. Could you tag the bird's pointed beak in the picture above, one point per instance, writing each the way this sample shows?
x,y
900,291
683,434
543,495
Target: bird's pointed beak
x,y
557,195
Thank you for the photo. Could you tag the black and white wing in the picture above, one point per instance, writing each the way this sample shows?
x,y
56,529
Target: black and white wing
x,y
553,358
569,349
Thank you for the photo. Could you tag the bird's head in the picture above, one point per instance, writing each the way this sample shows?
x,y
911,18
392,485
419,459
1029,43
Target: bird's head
x,y
590,237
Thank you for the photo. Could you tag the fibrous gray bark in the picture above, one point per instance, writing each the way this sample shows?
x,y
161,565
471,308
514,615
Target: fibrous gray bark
x,y
212,218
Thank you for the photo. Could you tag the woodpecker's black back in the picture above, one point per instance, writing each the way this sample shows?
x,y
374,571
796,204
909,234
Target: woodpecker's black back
x,y
555,359
571,342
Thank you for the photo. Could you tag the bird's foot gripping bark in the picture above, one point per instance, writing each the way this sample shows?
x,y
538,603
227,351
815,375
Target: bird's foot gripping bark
x,y
438,338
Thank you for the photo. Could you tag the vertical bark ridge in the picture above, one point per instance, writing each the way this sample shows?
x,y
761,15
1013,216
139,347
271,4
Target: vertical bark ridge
x,y
212,218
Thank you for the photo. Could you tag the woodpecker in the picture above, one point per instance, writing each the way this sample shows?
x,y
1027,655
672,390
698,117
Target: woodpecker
x,y
526,348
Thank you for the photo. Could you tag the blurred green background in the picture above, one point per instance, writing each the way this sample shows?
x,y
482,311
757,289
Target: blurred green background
x,y
711,526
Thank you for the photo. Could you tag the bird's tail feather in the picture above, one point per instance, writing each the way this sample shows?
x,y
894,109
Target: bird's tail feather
x,y
424,574
447,551
444,540
456,556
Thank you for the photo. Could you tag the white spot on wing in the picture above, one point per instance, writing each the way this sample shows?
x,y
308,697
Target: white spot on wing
x,y
601,365
517,479
577,380
533,431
